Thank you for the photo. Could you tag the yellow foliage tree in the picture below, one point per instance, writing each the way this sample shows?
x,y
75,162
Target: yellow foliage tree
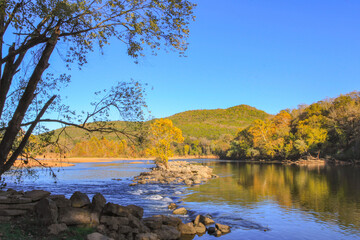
x,y
162,135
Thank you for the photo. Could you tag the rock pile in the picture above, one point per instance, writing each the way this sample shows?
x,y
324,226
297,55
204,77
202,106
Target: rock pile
x,y
13,203
198,226
178,172
112,221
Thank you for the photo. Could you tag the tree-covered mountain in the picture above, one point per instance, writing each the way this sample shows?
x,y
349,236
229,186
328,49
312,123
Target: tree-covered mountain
x,y
213,123
209,124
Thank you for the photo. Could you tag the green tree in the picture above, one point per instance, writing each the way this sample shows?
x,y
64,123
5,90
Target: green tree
x,y
31,30
162,135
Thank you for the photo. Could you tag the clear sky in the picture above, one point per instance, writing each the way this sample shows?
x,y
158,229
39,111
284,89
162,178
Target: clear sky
x,y
270,54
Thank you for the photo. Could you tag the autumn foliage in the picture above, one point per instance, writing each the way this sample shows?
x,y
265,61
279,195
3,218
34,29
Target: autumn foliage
x,y
162,134
328,128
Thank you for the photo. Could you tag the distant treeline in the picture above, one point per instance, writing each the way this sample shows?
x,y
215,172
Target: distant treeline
x,y
103,147
328,128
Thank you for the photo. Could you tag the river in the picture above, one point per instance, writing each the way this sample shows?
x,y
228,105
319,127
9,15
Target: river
x,y
259,201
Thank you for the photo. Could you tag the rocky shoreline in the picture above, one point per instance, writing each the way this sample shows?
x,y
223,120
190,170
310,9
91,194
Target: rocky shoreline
x,y
109,220
178,172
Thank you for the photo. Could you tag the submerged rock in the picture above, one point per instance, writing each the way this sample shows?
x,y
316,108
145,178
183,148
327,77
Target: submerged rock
x,y
180,211
222,228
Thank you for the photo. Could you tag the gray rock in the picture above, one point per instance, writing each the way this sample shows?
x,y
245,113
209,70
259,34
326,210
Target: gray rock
x,y
14,200
36,195
46,211
172,221
180,211
12,212
168,233
134,222
101,228
147,236
98,202
79,199
57,228
78,216
20,206
135,211
97,236
187,229
116,210
111,220
61,201
125,229
153,222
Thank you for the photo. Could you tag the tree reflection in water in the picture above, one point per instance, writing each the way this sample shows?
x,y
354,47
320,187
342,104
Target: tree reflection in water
x,y
330,193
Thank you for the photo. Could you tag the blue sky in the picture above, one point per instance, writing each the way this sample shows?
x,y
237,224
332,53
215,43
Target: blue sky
x,y
270,54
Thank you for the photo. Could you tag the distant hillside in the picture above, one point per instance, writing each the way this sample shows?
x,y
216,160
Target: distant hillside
x,y
210,124
213,123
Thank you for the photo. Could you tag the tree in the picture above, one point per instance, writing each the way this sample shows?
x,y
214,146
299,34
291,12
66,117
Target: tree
x,y
162,135
30,31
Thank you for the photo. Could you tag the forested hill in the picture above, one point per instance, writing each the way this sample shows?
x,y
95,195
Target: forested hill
x,y
211,124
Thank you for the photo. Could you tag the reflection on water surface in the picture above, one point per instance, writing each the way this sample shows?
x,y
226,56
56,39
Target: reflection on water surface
x,y
260,201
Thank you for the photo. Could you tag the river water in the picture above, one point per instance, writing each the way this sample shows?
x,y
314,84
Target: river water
x,y
259,201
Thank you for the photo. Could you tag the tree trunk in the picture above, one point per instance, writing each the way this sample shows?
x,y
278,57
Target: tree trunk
x,y
13,127
23,142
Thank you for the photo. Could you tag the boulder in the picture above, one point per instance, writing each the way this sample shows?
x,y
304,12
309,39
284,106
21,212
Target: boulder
x,y
172,206
168,233
57,228
172,221
111,220
180,211
98,202
153,223
125,229
134,222
222,228
101,228
115,209
46,211
14,200
79,199
97,236
187,229
200,228
217,233
61,201
78,216
20,206
36,195
211,230
204,220
147,236
12,212
136,211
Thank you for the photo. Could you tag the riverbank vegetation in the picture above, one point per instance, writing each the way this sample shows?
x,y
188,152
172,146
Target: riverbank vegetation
x,y
325,129
329,128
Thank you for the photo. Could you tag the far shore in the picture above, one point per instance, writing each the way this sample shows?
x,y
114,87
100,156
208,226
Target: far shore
x,y
68,162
